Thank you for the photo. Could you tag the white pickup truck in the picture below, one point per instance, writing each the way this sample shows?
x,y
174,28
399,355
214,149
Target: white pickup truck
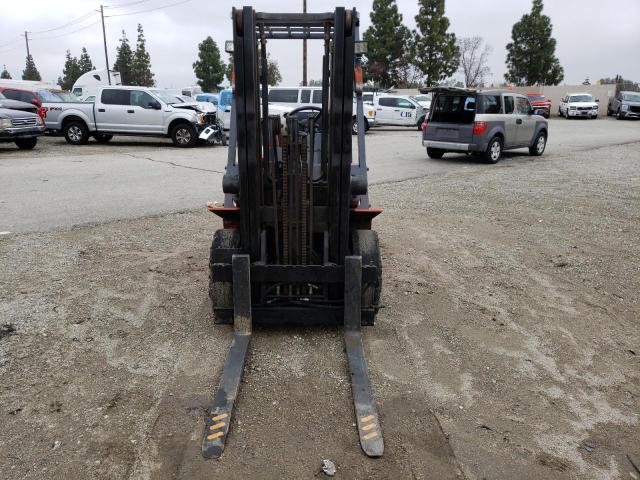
x,y
122,110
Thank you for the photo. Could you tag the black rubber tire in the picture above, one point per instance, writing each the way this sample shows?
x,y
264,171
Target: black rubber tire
x,y
76,132
354,127
560,113
184,135
533,149
609,112
225,243
435,153
365,243
619,115
420,120
26,143
102,137
487,155
366,125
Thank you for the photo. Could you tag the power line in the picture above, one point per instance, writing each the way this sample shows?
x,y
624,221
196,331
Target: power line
x,y
127,4
72,22
18,37
149,10
68,33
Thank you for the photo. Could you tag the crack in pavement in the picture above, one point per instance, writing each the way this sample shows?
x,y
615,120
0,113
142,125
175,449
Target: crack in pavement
x,y
172,163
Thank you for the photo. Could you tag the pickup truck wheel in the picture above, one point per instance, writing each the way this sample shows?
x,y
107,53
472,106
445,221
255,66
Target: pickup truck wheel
x,y
539,144
102,137
435,153
184,135
494,150
76,133
354,127
26,143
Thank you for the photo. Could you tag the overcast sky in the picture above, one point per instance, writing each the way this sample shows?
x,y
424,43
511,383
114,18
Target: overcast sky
x,y
595,38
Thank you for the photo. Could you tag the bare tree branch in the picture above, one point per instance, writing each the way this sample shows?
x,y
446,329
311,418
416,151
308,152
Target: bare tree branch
x,y
473,60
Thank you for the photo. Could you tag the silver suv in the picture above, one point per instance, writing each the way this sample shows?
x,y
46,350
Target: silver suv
x,y
483,123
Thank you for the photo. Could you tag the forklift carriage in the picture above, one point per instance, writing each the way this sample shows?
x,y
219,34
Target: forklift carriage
x,y
297,245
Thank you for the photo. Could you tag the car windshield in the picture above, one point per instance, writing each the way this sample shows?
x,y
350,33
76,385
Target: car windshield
x,y
165,96
632,97
47,96
537,98
67,96
581,98
2,97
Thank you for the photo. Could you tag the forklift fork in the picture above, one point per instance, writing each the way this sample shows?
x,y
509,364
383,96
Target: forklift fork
x,y
220,415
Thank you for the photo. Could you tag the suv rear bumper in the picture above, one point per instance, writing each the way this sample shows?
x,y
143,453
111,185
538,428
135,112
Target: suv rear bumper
x,y
454,147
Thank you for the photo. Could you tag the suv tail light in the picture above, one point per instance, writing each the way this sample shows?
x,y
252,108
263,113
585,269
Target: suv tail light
x,y
425,125
480,127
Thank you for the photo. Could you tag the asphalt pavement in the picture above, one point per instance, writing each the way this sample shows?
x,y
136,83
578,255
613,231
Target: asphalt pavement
x,y
61,186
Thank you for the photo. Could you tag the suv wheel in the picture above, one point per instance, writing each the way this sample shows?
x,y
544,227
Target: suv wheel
x,y
539,144
26,143
435,153
494,150
76,133
184,135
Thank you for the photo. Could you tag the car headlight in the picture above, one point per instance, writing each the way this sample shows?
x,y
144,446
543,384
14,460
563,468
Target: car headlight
x,y
5,123
371,113
200,119
624,108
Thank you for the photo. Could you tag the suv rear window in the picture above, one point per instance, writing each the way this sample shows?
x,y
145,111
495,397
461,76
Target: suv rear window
x,y
454,109
283,96
488,104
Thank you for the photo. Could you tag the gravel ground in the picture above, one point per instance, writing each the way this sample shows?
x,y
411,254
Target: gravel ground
x,y
508,346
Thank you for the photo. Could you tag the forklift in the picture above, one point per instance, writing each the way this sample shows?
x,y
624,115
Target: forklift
x,y
296,245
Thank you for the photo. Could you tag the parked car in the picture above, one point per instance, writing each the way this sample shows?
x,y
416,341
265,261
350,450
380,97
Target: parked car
x,y
624,105
208,97
21,128
483,123
399,110
578,105
35,96
294,97
540,102
17,105
424,99
129,111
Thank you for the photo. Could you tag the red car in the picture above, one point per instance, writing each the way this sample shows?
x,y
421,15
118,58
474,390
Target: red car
x,y
36,96
540,102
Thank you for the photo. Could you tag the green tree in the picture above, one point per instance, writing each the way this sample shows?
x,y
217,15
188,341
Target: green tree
x,y
70,72
273,71
387,40
433,49
124,60
209,69
229,68
142,62
5,75
30,71
531,56
84,63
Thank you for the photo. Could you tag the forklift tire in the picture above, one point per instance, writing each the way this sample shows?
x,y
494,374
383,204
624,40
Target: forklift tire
x,y
184,135
225,243
365,243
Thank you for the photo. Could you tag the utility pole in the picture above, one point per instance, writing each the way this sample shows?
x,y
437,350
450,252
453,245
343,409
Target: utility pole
x,y
304,50
104,37
26,39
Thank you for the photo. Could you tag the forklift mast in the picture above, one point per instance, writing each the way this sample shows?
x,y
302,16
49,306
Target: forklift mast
x,y
297,245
